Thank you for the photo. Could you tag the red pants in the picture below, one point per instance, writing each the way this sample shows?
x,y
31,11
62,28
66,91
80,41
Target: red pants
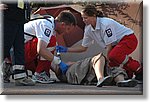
x,y
32,61
118,54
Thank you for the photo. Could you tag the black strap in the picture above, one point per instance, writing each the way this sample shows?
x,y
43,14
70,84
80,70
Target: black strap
x,y
42,18
30,35
37,19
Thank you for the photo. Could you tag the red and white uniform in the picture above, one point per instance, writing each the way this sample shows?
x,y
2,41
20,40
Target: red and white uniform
x,y
42,29
123,40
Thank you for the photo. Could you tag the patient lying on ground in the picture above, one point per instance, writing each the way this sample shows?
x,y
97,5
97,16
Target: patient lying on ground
x,y
91,71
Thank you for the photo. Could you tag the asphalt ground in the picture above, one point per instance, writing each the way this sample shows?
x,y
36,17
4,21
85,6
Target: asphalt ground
x,y
67,89
59,88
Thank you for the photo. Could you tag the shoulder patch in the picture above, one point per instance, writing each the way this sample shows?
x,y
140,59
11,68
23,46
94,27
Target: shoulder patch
x,y
47,32
108,32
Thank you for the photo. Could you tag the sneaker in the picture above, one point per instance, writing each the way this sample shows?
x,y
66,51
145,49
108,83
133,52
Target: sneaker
x,y
105,81
127,83
24,82
42,78
7,71
46,77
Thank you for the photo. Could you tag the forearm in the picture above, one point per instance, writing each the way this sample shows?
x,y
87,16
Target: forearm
x,y
77,49
43,51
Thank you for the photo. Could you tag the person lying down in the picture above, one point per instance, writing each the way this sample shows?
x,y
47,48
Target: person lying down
x,y
90,71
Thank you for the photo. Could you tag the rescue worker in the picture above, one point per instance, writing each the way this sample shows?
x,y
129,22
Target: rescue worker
x,y
14,19
40,42
118,40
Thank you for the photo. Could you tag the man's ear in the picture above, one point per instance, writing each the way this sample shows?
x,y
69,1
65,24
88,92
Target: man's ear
x,y
63,24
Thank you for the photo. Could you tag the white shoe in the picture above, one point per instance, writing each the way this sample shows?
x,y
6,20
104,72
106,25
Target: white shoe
x,y
24,82
42,78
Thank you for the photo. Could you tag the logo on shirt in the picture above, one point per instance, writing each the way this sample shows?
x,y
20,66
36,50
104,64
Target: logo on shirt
x,y
47,32
108,32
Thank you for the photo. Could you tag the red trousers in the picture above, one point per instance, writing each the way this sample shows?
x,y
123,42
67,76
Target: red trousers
x,y
118,54
32,59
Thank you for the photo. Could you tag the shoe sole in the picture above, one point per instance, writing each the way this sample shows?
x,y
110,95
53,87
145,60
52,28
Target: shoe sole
x,y
24,84
49,82
131,83
106,82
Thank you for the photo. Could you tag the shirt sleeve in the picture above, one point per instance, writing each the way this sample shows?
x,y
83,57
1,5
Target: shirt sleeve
x,y
43,32
87,40
109,35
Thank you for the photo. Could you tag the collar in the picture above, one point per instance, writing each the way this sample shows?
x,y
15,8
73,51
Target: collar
x,y
97,24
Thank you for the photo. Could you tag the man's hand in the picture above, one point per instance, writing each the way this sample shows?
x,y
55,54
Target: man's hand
x,y
63,67
56,60
61,49
3,7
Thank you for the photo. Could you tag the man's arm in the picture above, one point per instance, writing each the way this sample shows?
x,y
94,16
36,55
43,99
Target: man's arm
x,y
43,51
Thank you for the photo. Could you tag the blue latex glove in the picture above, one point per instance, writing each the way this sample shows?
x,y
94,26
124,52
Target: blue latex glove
x,y
63,67
61,49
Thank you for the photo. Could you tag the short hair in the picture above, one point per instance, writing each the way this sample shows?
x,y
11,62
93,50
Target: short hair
x,y
67,17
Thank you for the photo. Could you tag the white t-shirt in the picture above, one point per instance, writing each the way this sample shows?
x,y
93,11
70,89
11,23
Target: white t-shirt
x,y
41,28
107,31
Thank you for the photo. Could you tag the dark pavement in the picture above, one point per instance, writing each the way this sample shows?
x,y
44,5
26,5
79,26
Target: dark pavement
x,y
66,89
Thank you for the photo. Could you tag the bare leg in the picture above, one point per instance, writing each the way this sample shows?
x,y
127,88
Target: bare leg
x,y
98,63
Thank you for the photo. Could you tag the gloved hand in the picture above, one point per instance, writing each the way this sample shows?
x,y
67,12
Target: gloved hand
x,y
63,67
61,49
56,60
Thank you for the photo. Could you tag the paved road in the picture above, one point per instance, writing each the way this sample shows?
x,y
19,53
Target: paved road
x,y
67,89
